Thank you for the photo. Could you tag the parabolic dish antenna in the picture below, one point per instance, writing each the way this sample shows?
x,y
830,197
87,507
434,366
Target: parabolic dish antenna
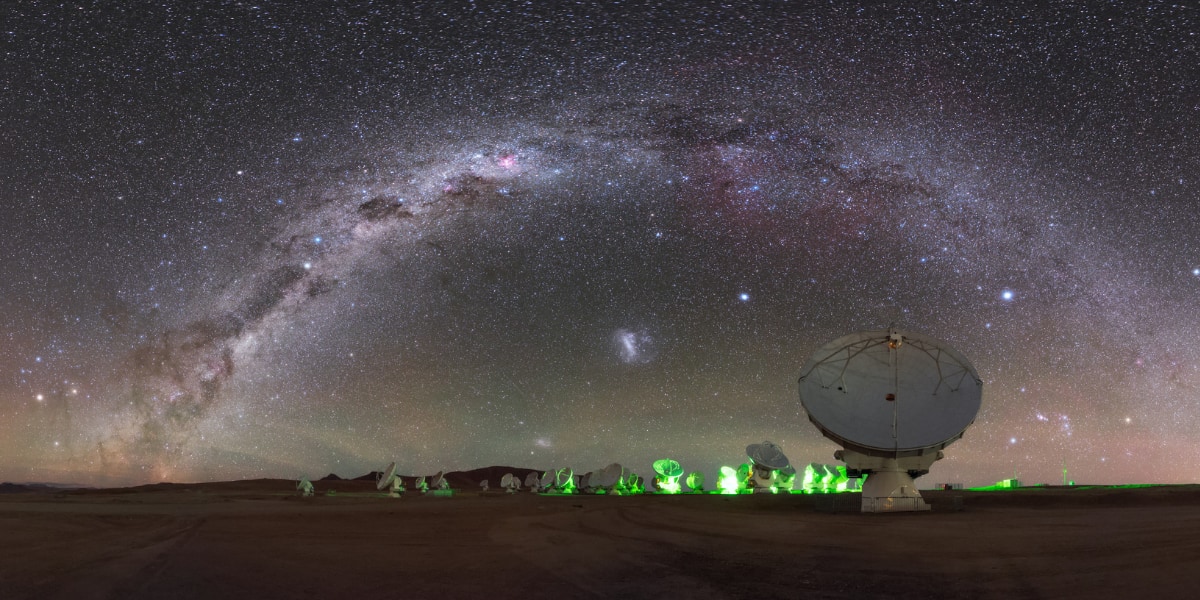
x,y
564,480
767,455
608,477
385,477
531,481
765,459
695,481
668,468
547,480
305,486
893,400
669,471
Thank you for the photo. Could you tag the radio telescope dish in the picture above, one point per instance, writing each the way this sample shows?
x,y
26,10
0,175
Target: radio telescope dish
x,y
388,480
531,481
767,455
785,479
547,480
669,471
893,400
384,478
510,483
305,486
634,484
421,485
765,460
607,479
564,480
695,481
439,482
483,485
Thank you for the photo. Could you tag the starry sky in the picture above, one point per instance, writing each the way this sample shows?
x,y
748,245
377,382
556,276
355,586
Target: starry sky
x,y
284,239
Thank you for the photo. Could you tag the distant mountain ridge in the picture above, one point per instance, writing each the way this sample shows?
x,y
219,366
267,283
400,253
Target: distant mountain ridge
x,y
26,488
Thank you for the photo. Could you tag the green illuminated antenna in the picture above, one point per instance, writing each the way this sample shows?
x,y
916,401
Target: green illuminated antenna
x,y
669,471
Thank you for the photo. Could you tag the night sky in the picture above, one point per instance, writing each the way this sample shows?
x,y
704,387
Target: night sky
x,y
284,239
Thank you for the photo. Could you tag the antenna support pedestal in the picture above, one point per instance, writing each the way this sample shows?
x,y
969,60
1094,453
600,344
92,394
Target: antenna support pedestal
x,y
889,486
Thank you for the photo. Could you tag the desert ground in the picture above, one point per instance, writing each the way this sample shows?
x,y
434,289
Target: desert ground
x,y
260,539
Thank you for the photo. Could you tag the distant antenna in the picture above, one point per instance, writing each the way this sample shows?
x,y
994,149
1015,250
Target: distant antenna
x,y
564,481
785,479
387,479
532,481
421,485
669,471
510,483
607,480
743,476
729,481
766,458
584,485
695,481
546,483
439,482
634,484
483,485
305,486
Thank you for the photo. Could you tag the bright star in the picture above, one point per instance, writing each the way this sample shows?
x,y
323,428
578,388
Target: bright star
x,y
1007,295
744,297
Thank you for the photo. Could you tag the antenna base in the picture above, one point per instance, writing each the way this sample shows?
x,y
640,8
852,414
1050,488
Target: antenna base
x,y
891,489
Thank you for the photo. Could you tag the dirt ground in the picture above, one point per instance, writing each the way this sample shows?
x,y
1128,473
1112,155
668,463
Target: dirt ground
x,y
257,539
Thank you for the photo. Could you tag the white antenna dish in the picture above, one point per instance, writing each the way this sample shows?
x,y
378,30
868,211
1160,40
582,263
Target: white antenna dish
x,y
531,481
767,455
387,479
422,485
547,480
510,483
585,482
765,459
439,482
893,400
695,481
607,479
384,478
305,486
483,485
